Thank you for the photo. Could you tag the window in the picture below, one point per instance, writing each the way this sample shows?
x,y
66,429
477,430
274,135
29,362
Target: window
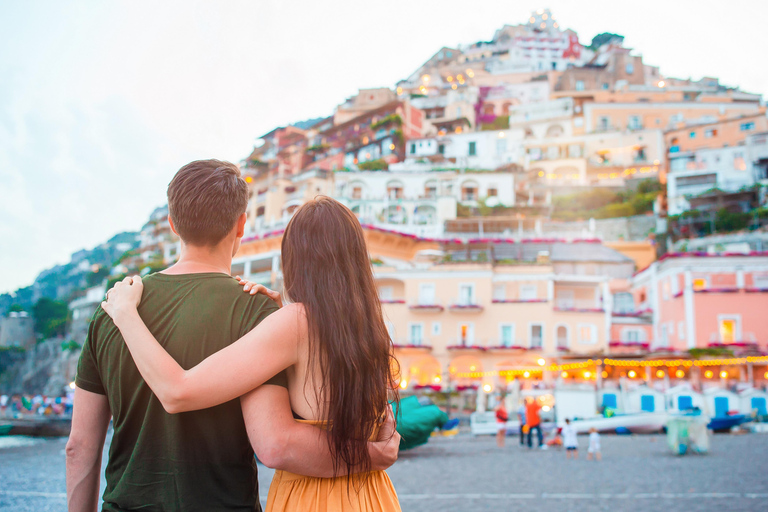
x,y
493,191
604,123
729,327
472,148
416,334
701,179
587,333
501,146
632,335
665,289
681,330
700,283
436,328
537,340
466,294
386,292
426,294
579,85
357,192
562,335
466,334
760,281
629,68
390,330
458,112
710,132
635,123
413,149
692,135
507,335
528,292
623,302
664,336
499,292
565,299
606,85
441,149
745,127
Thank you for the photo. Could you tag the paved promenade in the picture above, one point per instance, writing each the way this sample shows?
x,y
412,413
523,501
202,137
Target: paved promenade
x,y
471,474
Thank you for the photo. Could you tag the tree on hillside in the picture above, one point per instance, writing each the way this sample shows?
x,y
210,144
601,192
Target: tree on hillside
x,y
50,317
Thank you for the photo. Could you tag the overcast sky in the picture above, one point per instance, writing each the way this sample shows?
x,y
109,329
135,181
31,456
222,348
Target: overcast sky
x,y
101,102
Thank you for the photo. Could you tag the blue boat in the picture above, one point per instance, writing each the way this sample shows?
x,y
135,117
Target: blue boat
x,y
725,423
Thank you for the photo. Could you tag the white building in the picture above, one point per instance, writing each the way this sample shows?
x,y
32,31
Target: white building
x,y
695,172
416,200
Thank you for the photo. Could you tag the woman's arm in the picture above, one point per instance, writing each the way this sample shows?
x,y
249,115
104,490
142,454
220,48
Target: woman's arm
x,y
229,373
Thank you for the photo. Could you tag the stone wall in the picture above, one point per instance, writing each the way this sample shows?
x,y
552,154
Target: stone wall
x,y
17,330
45,368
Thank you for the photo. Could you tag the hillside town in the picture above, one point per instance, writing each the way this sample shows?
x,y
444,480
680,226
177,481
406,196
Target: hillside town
x,y
539,212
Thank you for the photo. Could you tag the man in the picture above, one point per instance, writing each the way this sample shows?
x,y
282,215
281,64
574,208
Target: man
x,y
521,419
533,421
200,460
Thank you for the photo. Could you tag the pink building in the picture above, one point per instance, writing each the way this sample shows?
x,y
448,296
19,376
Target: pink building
x,y
700,300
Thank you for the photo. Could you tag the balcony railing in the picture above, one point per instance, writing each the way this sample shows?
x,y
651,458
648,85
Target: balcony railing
x,y
466,305
420,343
747,340
392,301
578,306
466,344
431,306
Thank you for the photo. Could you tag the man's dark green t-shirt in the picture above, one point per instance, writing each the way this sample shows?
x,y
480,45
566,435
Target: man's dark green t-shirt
x,y
199,460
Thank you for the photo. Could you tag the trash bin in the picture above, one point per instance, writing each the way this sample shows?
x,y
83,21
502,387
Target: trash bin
x,y
687,433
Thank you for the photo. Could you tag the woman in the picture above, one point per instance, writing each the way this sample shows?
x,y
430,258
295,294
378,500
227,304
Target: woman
x,y
331,342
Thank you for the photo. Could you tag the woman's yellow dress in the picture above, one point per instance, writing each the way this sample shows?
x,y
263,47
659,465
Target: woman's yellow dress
x,y
290,492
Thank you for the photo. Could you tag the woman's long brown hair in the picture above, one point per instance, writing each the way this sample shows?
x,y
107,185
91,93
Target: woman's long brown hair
x,y
326,267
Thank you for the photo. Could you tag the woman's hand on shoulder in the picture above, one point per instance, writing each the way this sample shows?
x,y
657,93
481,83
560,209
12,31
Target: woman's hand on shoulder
x,y
254,288
123,299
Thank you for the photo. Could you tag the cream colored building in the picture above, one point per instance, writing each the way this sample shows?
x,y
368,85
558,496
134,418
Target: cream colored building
x,y
481,306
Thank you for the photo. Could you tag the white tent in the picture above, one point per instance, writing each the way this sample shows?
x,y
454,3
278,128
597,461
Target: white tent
x,y
683,397
644,399
611,398
720,401
753,400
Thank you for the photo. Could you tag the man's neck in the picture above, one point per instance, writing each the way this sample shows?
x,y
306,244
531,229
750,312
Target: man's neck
x,y
198,260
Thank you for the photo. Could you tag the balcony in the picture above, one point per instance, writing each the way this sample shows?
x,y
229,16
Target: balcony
x,y
470,345
519,301
422,344
392,301
578,306
464,305
426,307
621,344
504,346
748,341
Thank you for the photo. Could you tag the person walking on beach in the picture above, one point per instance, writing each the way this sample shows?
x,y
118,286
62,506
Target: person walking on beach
x,y
533,421
330,347
201,460
501,423
594,445
570,440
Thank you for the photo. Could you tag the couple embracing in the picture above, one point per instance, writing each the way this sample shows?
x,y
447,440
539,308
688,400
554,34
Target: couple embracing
x,y
198,371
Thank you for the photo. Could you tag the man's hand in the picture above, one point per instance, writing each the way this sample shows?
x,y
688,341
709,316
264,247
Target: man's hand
x,y
384,451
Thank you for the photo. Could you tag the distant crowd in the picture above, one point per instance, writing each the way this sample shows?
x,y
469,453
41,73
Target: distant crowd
x,y
18,405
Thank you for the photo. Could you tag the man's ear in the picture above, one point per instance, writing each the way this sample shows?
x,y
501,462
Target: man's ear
x,y
173,228
241,225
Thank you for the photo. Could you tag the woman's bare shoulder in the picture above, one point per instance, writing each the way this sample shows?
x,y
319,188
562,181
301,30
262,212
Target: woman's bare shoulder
x,y
291,315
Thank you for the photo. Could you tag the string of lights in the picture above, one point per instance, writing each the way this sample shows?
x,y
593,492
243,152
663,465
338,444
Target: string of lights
x,y
620,363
